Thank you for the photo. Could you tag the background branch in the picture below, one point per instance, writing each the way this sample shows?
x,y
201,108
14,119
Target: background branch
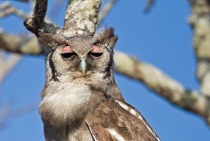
x,y
6,9
7,64
163,85
20,44
149,5
7,113
105,10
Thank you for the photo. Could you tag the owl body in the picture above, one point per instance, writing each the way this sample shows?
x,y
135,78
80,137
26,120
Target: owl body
x,y
66,108
80,100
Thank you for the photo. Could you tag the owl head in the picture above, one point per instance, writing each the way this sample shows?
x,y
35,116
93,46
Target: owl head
x,y
79,55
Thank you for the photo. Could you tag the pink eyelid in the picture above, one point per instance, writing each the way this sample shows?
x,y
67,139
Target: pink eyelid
x,y
67,49
96,49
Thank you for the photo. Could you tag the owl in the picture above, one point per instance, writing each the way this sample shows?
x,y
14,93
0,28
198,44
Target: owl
x,y
80,99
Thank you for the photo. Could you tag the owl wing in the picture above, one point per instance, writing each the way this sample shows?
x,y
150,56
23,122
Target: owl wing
x,y
118,121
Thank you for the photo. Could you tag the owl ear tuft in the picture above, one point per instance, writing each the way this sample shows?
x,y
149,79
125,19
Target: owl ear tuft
x,y
50,41
105,37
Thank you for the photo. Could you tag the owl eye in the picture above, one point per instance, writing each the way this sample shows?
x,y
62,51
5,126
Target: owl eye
x,y
67,52
68,55
95,54
96,51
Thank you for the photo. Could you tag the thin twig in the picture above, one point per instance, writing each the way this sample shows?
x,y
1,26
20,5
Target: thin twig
x,y
55,10
6,9
7,113
149,5
106,9
7,64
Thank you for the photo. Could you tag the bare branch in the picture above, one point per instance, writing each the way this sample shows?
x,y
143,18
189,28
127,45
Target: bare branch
x,y
56,8
165,86
6,9
20,44
81,17
7,64
150,3
106,9
200,22
6,112
36,22
18,0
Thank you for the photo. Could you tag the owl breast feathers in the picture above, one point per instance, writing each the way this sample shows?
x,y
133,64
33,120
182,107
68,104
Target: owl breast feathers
x,y
80,99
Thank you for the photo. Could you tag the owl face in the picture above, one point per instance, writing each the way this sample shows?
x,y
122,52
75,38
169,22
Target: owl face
x,y
80,54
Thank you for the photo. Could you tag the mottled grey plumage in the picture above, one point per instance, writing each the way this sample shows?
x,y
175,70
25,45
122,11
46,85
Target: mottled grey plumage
x,y
80,100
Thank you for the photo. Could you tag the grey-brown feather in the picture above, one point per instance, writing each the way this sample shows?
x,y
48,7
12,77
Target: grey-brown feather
x,y
109,115
71,100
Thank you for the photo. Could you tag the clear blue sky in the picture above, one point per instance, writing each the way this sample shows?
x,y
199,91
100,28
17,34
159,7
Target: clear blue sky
x,y
161,37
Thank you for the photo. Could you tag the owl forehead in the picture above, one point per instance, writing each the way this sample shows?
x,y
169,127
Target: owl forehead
x,y
80,45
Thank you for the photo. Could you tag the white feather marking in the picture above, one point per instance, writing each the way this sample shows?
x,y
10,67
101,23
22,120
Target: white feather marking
x,y
133,112
91,132
123,105
115,134
93,136
140,117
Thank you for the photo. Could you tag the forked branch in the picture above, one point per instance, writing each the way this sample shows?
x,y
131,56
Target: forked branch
x,y
36,23
81,18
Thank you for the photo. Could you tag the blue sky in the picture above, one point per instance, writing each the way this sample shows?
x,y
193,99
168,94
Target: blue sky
x,y
162,38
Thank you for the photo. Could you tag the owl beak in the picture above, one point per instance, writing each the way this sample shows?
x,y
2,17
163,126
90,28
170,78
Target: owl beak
x,y
83,65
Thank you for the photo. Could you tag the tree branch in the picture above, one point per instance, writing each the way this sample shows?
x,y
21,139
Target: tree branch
x,y
55,10
6,112
163,85
149,5
106,9
36,22
81,17
7,64
20,44
200,23
6,9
